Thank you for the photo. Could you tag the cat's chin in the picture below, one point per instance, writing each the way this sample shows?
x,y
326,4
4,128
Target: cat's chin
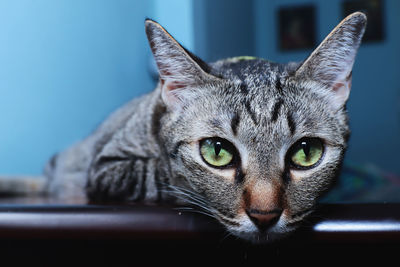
x,y
262,237
249,232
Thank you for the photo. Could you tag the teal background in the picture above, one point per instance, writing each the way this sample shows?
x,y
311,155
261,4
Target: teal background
x,y
66,64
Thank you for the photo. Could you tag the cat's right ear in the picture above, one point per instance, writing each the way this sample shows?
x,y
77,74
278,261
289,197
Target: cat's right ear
x,y
332,61
180,71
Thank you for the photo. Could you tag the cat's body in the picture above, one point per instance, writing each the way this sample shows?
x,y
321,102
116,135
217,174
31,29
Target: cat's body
x,y
250,142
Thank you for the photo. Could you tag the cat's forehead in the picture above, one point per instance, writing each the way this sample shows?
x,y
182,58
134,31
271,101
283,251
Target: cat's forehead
x,y
251,71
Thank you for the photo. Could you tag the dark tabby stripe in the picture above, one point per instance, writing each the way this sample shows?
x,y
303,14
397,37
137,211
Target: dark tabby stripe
x,y
132,180
251,113
120,183
276,109
135,192
286,174
243,89
158,184
239,175
99,192
217,124
109,159
292,125
143,187
235,123
278,84
175,151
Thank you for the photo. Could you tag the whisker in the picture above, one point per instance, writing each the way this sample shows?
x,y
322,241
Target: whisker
x,y
188,193
228,234
191,197
299,218
227,220
184,208
197,211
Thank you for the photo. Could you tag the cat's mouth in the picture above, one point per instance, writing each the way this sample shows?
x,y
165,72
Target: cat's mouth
x,y
246,228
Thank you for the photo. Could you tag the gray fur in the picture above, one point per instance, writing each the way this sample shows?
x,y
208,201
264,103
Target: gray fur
x,y
149,149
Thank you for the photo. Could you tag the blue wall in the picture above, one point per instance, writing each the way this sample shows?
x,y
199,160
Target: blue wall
x,y
223,28
66,64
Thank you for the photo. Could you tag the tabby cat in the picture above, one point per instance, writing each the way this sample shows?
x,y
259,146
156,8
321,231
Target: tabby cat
x,y
250,142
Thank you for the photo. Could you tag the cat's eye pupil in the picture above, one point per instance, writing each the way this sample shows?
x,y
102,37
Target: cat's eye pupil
x,y
217,148
306,148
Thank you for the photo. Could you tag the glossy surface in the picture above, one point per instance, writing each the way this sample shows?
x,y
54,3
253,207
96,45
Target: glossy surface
x,y
331,222
115,235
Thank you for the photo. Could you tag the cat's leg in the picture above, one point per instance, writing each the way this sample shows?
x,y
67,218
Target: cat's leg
x,y
66,173
118,178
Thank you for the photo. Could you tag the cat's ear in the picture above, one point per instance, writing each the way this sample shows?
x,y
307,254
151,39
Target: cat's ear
x,y
332,61
180,71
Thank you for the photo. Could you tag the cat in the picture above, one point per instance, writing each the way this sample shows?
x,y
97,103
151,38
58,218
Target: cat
x,y
250,142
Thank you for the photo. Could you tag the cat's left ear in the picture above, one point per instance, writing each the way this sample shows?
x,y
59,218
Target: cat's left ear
x,y
332,61
180,71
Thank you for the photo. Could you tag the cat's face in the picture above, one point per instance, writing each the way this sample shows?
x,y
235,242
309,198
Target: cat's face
x,y
252,143
258,160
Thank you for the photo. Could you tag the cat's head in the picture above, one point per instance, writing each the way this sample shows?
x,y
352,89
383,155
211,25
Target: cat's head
x,y
255,143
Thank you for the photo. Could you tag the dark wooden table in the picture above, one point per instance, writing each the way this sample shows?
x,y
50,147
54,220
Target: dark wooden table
x,y
114,235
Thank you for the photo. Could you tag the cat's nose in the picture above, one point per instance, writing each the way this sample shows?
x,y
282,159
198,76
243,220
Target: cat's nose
x,y
263,219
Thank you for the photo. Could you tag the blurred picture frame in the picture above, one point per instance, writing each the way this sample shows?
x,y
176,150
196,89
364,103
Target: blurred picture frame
x,y
375,31
297,28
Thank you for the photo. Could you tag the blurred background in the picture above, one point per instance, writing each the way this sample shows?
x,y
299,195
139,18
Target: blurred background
x,y
66,64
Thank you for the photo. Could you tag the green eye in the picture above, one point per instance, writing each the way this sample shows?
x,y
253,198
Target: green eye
x,y
216,152
306,153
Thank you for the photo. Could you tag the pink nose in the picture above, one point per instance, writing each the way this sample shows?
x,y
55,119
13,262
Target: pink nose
x,y
264,218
